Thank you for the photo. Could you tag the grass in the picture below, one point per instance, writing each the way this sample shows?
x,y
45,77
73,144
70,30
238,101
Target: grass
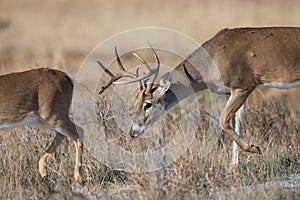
x,y
189,177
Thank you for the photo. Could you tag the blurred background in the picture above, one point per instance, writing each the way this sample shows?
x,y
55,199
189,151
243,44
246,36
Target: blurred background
x,y
60,33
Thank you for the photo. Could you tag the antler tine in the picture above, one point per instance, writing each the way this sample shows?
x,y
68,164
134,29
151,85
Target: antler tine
x,y
123,72
150,85
119,60
137,78
142,60
112,77
140,82
105,69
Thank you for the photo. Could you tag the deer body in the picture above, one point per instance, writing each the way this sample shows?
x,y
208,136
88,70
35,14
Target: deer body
x,y
245,59
248,57
41,97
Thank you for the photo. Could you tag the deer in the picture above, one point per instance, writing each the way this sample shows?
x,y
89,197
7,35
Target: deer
x,y
41,97
246,58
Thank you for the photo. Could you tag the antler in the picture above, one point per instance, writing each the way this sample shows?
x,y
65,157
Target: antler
x,y
113,78
123,73
151,82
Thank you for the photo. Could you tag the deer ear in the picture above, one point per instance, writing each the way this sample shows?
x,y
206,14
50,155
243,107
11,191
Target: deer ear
x,y
165,83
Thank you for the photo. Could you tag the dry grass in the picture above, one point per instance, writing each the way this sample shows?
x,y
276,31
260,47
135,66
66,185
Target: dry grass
x,y
189,177
194,178
59,34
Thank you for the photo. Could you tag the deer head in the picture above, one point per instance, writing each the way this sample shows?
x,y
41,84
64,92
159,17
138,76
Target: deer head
x,y
147,103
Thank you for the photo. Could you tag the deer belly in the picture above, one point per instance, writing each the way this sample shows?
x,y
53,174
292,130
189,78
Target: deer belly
x,y
28,120
281,85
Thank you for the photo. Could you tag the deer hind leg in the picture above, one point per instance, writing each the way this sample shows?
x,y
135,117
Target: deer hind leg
x,y
79,150
45,157
237,98
64,128
70,131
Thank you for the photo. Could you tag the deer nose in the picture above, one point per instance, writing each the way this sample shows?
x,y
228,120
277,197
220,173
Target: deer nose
x,y
134,130
131,133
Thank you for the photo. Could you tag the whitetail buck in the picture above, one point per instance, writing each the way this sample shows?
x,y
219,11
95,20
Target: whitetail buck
x,y
41,97
245,57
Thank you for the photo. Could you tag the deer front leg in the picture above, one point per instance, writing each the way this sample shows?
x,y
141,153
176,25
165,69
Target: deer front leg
x,y
237,98
237,123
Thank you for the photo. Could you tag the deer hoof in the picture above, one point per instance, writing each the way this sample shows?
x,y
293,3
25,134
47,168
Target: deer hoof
x,y
44,178
79,180
254,149
78,186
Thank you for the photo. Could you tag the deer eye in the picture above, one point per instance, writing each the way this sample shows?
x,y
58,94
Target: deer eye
x,y
147,105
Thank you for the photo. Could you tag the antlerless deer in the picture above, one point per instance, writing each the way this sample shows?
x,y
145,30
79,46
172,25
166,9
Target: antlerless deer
x,y
41,97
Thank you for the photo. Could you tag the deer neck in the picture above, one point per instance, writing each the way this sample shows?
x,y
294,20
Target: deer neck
x,y
186,81
196,73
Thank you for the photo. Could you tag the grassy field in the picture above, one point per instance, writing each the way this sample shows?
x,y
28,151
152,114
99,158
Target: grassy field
x,y
60,33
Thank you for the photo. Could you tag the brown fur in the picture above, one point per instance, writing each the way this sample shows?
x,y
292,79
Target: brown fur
x,y
250,56
43,95
245,58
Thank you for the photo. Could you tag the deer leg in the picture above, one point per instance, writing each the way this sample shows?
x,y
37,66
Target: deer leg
x,y
65,128
43,160
237,123
237,98
74,137
78,161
